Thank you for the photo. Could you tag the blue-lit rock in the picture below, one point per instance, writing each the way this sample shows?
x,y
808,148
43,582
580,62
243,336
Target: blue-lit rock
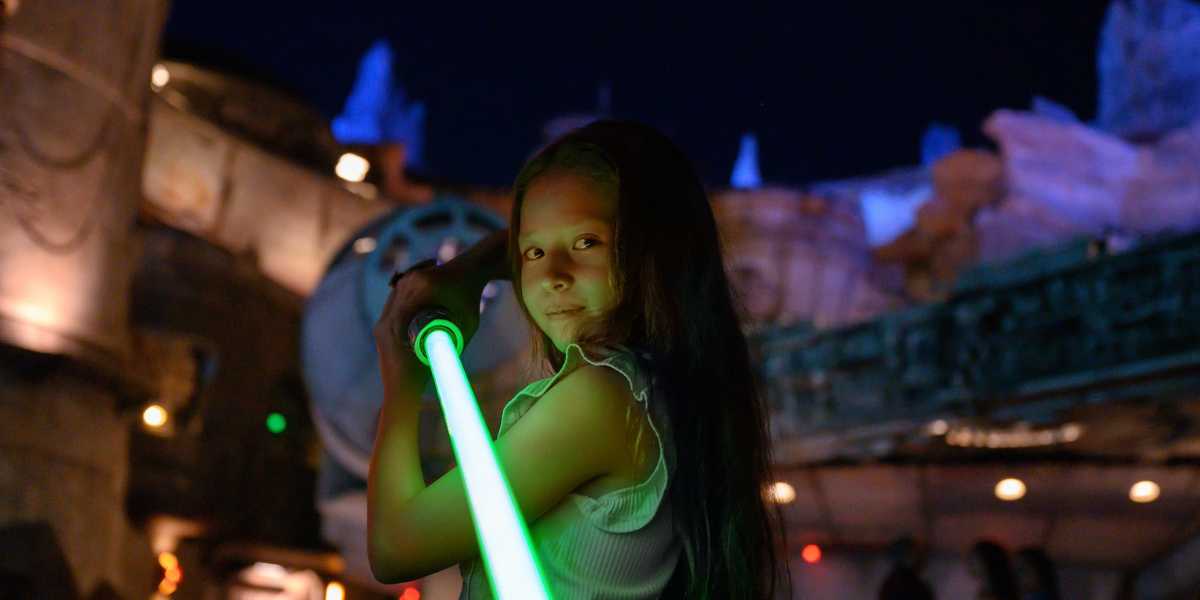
x,y
1149,67
1066,180
1050,109
377,111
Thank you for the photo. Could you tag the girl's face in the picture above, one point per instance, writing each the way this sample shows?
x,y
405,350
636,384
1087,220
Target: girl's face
x,y
566,242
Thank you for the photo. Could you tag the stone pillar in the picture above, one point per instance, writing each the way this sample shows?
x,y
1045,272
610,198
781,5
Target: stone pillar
x,y
74,84
64,462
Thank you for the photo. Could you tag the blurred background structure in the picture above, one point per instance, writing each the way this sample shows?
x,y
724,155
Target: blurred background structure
x,y
999,341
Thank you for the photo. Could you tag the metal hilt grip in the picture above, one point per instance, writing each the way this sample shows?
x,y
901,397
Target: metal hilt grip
x,y
425,322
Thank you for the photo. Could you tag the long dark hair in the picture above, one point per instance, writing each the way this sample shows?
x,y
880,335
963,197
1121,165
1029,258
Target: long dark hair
x,y
674,302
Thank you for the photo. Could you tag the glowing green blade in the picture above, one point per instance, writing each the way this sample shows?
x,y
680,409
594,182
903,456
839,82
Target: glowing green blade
x,y
503,538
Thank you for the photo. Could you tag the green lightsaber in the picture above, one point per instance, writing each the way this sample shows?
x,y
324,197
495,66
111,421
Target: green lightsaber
x,y
512,565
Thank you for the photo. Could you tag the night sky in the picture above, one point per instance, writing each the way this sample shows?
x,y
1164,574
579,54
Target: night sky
x,y
832,89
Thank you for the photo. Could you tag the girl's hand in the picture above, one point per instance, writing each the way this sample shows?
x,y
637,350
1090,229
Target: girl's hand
x,y
490,255
455,286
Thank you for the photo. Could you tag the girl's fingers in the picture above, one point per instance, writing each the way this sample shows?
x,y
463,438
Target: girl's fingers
x,y
423,284
429,262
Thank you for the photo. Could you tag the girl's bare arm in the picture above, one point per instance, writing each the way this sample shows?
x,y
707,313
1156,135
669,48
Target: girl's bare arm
x,y
573,434
395,474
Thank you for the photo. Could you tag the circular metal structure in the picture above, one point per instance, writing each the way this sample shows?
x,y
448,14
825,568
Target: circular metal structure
x,y
337,347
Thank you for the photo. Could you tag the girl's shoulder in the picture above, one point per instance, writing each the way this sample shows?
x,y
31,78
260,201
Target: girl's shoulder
x,y
635,365
626,499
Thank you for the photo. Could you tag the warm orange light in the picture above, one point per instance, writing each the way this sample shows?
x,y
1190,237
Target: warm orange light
x,y
811,554
352,167
154,416
173,575
781,493
1010,489
410,594
335,591
167,588
1144,491
159,77
168,560
364,245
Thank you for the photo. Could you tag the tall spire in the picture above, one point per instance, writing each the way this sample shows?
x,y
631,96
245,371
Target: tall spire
x,y
939,140
745,168
377,112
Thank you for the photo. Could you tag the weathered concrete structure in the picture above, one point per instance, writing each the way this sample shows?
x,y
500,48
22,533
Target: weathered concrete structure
x,y
72,124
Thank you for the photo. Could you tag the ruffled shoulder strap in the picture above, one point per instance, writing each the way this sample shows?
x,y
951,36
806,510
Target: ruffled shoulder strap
x,y
629,508
621,359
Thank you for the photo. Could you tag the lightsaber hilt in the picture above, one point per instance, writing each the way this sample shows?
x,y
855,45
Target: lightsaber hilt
x,y
425,322
503,537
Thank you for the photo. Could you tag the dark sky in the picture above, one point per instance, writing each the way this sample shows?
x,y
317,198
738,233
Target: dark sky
x,y
832,89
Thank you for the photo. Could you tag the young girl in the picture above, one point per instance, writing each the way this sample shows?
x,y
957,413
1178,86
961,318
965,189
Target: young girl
x,y
641,463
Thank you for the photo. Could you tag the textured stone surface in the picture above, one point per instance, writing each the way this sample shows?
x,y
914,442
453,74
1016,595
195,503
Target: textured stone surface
x,y
208,182
969,180
1165,194
1017,227
71,126
1073,171
64,460
1149,67
75,79
1067,180
796,258
942,240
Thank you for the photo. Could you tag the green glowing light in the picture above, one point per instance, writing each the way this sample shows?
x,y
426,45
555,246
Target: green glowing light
x,y
438,325
503,537
276,423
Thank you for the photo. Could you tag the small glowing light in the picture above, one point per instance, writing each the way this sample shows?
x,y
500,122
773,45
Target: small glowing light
x,y
811,554
448,250
1071,432
352,167
781,492
335,591
166,587
174,575
154,416
938,427
159,77
410,594
276,423
364,245
1010,489
168,561
1144,491
1019,436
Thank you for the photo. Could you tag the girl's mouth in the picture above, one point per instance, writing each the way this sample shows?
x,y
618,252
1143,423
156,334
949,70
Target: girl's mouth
x,y
563,313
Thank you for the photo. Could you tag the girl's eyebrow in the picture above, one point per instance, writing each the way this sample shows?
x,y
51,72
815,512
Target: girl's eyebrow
x,y
585,224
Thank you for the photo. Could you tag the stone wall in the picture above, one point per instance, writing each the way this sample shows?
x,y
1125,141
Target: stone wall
x,y
64,462
75,77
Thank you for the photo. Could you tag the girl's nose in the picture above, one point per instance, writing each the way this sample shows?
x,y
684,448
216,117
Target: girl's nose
x,y
558,273
557,281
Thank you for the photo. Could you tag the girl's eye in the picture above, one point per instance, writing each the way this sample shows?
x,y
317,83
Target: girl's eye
x,y
585,243
532,253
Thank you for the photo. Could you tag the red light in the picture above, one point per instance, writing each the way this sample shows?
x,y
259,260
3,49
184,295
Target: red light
x,y
811,554
410,594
